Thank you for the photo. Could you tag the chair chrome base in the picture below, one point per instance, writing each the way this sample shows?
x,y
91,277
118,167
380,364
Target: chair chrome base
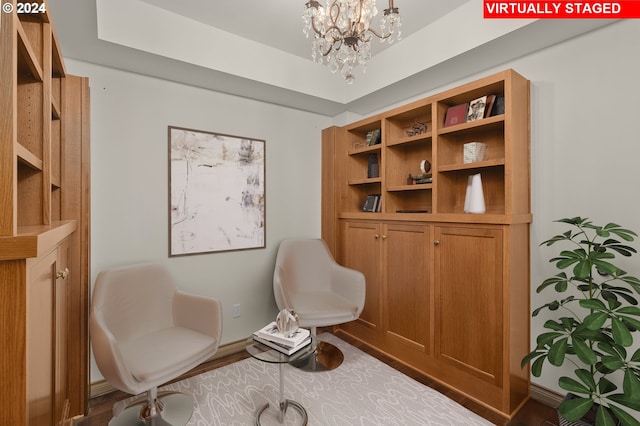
x,y
175,409
326,358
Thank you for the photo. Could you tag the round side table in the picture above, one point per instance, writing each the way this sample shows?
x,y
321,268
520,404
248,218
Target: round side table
x,y
266,354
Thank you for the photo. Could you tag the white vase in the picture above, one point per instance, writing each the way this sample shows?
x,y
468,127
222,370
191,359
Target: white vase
x,y
474,197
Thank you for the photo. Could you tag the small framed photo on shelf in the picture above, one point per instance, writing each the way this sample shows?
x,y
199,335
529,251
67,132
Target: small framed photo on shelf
x,y
476,108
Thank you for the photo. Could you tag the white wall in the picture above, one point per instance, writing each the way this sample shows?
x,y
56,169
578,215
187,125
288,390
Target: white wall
x,y
129,184
584,155
584,145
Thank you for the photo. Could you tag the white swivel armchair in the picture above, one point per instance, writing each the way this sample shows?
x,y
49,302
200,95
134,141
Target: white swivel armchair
x,y
145,333
323,293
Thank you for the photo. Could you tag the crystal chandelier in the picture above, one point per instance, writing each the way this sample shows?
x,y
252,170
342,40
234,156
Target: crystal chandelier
x,y
342,31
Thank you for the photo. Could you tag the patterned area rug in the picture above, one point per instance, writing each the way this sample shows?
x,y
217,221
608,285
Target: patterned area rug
x,y
362,391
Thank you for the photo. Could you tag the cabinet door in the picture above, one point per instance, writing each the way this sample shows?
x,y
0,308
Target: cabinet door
x,y
406,252
468,300
362,251
61,324
47,395
40,340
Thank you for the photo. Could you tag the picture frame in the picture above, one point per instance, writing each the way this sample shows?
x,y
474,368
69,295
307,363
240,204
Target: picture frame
x,y
217,199
476,109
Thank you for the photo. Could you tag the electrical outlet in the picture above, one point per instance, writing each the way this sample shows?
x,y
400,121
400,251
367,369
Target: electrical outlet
x,y
236,310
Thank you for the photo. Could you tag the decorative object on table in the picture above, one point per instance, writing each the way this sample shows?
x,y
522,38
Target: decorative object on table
x,y
373,170
287,322
216,192
474,198
474,152
342,31
597,332
271,336
456,115
476,108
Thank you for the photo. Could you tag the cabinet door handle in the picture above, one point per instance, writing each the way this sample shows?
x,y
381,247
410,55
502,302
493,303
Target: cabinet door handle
x,y
376,236
63,274
384,237
436,243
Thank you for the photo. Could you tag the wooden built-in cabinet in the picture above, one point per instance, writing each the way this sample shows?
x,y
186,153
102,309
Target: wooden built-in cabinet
x,y
447,292
44,225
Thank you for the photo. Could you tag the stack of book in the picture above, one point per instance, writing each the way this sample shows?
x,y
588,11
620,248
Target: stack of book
x,y
288,345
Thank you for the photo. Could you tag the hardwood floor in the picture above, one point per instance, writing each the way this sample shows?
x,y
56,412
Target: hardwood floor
x,y
533,413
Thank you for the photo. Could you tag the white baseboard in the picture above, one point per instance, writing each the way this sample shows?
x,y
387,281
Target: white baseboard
x,y
101,387
545,396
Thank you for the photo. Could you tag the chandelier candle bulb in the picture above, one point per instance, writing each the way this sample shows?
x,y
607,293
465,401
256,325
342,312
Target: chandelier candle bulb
x,y
342,32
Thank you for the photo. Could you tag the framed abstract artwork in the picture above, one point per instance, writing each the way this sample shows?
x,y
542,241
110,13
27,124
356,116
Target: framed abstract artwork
x,y
216,192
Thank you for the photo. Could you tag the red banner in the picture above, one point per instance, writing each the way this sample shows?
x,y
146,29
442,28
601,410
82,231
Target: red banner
x,y
497,9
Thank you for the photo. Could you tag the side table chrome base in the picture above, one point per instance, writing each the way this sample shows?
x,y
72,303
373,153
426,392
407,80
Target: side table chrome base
x,y
326,358
283,411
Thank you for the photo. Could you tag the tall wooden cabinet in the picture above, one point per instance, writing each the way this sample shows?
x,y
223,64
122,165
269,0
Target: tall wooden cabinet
x,y
447,291
44,224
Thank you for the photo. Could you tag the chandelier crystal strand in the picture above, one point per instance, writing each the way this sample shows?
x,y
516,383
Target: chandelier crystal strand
x,y
341,31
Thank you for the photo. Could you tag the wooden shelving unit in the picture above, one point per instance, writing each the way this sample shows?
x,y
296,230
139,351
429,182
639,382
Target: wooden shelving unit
x,y
44,225
447,292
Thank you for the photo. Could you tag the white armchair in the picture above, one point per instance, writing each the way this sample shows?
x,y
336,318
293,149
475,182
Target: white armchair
x,y
145,333
322,292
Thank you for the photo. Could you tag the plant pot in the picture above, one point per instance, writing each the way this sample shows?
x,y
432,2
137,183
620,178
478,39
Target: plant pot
x,y
589,419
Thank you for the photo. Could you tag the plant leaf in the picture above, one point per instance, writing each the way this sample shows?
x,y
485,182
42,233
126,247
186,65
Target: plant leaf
x,y
621,335
606,386
593,304
612,362
626,400
624,417
547,338
603,418
574,409
587,378
621,232
557,352
630,310
596,320
572,385
536,366
631,384
584,352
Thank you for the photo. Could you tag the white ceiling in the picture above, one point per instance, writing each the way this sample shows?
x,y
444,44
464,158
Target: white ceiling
x,y
256,49
278,23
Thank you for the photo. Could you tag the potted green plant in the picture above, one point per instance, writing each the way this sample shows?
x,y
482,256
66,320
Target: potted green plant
x,y
602,317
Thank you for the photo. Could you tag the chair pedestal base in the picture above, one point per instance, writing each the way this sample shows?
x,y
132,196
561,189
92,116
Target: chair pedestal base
x,y
177,411
326,358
